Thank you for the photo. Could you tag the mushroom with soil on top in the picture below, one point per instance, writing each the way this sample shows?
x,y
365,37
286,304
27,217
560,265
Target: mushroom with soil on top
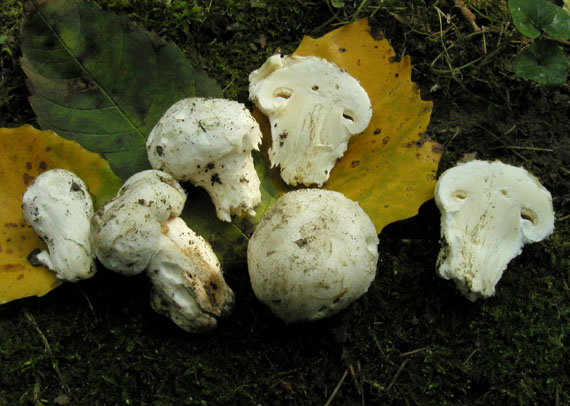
x,y
140,229
489,210
58,207
313,107
313,254
209,142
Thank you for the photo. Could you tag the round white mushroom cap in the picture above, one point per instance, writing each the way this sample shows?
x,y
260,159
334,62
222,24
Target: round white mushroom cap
x,y
489,210
313,254
314,107
59,208
125,230
209,142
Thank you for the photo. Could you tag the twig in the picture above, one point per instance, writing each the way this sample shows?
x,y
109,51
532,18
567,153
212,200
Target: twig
x,y
467,15
412,352
566,217
48,350
524,148
397,374
336,389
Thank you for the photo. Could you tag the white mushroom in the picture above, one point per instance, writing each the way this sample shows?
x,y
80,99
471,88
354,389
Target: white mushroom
x,y
209,142
489,210
59,208
140,229
314,107
313,254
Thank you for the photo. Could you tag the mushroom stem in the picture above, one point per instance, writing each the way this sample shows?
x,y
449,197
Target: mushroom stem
x,y
232,192
188,286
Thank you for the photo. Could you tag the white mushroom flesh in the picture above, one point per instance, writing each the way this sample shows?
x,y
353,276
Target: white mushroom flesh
x,y
489,210
313,254
313,107
140,229
58,207
209,142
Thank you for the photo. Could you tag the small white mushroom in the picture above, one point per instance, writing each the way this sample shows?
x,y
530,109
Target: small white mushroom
x,y
209,142
314,107
59,208
140,230
489,210
313,254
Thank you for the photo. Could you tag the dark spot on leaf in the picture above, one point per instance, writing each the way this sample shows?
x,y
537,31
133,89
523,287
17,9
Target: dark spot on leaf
x,y
385,140
48,149
142,202
377,131
437,149
302,242
211,165
28,166
42,166
159,151
28,178
354,164
392,59
342,50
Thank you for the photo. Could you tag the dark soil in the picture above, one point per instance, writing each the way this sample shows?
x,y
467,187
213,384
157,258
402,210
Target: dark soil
x,y
412,339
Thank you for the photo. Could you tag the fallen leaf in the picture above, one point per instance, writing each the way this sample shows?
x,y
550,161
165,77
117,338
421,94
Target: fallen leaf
x,y
27,152
390,168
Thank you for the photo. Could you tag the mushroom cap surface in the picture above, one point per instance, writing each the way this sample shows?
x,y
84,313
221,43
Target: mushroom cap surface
x,y
125,231
195,132
58,207
313,254
489,210
314,107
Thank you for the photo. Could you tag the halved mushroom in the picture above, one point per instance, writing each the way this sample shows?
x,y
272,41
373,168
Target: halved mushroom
x,y
489,210
314,107
140,229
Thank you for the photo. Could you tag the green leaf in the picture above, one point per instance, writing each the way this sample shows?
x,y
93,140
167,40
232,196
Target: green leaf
x,y
544,62
97,79
533,16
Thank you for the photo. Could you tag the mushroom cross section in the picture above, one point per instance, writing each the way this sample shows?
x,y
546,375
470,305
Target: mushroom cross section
x,y
489,210
313,107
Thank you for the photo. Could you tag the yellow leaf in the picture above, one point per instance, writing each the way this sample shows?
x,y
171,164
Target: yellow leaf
x,y
390,168
27,152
